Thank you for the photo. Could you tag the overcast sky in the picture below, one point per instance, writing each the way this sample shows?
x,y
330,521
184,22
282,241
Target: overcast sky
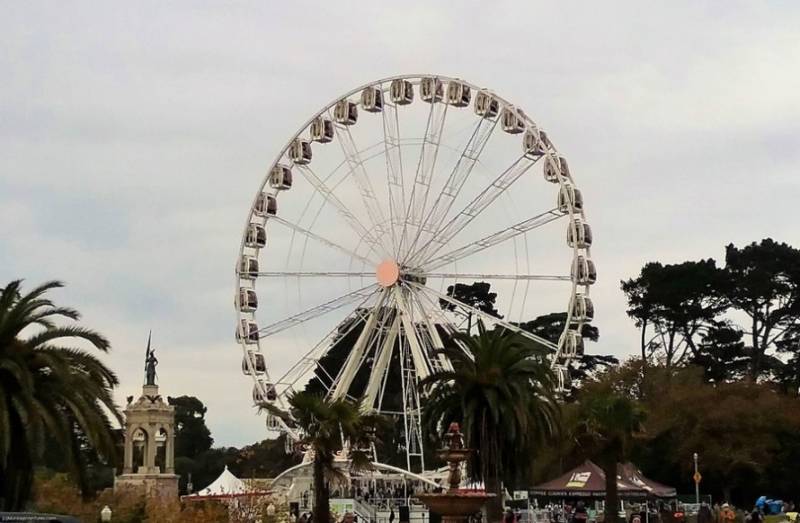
x,y
133,136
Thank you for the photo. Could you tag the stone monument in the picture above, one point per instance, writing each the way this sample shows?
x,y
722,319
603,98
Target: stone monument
x,y
149,457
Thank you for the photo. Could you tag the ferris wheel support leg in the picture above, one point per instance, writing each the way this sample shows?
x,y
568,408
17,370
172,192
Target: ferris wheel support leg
x,y
417,353
381,367
348,373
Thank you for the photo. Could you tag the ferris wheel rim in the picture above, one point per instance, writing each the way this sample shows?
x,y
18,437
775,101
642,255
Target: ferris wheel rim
x,y
563,179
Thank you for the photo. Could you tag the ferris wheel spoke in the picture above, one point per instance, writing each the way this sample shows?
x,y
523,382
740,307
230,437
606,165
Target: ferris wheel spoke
x,y
458,176
291,274
494,239
310,360
488,317
473,209
319,310
348,372
359,174
322,240
424,173
394,171
373,243
487,276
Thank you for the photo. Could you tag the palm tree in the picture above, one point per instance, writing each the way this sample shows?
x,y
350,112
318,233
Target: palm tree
x,y
610,421
501,390
48,391
325,426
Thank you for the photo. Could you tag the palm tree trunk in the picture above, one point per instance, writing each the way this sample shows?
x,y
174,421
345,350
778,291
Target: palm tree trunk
x,y
494,507
322,506
611,512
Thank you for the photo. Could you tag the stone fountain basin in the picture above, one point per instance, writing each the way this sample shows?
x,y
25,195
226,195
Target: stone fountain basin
x,y
455,502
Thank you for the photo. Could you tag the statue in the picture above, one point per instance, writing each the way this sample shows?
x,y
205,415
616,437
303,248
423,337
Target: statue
x,y
150,363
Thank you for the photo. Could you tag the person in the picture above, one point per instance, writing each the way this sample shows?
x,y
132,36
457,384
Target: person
x,y
756,516
726,514
509,516
580,515
704,514
348,517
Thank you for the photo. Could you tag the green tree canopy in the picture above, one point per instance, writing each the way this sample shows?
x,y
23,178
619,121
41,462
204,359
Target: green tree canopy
x,y
49,389
764,284
192,436
502,391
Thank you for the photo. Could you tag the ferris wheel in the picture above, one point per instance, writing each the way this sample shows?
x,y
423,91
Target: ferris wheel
x,y
368,219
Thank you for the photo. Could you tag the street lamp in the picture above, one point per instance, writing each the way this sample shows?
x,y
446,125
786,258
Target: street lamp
x,y
105,514
696,481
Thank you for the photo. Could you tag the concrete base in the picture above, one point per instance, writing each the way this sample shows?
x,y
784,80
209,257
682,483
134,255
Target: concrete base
x,y
151,485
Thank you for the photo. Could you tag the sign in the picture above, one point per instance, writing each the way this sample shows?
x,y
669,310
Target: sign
x,y
697,477
579,479
520,494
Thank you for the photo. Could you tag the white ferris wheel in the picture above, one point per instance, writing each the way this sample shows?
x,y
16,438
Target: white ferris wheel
x,y
383,200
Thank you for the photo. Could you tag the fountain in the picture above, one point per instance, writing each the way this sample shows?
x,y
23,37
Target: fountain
x,y
455,504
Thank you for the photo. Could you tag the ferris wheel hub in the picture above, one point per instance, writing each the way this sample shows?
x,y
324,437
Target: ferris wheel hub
x,y
387,273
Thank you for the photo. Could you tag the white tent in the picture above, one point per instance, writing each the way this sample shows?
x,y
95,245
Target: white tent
x,y
225,486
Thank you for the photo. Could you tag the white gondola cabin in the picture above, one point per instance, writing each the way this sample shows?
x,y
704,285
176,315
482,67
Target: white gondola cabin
x,y
551,170
583,232
247,299
248,267
372,99
570,197
531,145
266,205
564,166
582,309
280,177
345,112
401,92
545,140
256,236
272,394
583,271
256,360
247,332
513,120
322,130
431,90
269,395
562,379
573,345
258,397
486,105
458,94
300,151
274,423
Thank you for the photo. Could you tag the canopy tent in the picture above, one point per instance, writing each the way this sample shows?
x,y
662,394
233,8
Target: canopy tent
x,y
586,480
226,486
633,475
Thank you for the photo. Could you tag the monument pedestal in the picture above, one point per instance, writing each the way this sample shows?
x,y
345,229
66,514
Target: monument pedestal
x,y
151,485
149,426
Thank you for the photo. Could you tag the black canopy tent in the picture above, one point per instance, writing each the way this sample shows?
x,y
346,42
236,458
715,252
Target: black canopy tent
x,y
588,480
